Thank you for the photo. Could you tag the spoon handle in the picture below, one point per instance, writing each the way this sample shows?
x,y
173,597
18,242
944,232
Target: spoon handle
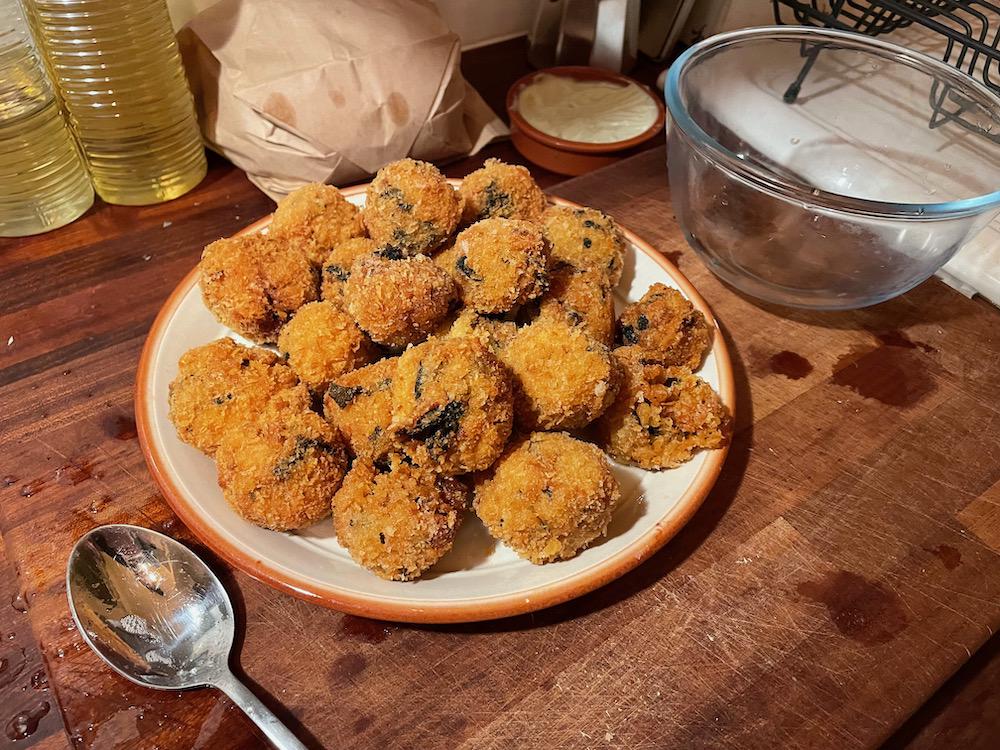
x,y
278,734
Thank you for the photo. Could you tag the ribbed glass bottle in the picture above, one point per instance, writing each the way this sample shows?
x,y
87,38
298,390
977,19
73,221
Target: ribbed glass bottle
x,y
120,76
43,180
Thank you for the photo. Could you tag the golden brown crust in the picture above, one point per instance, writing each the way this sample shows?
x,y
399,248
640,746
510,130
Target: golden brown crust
x,y
492,332
253,283
585,238
398,302
548,496
662,415
501,190
667,327
221,385
323,342
452,398
563,379
337,266
396,519
581,298
359,405
498,264
410,208
282,472
319,217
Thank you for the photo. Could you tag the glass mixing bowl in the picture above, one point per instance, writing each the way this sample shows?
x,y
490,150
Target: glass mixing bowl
x,y
827,169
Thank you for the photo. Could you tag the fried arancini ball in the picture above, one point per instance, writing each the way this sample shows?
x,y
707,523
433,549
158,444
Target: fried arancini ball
x,y
282,471
667,327
581,298
585,238
662,415
452,398
492,331
398,302
548,496
320,217
323,342
410,208
221,385
563,379
253,283
501,190
498,264
337,266
397,519
359,405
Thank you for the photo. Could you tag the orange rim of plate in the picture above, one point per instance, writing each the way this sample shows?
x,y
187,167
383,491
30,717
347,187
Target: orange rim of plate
x,y
471,610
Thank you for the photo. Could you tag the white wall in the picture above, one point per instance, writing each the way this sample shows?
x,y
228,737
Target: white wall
x,y
477,22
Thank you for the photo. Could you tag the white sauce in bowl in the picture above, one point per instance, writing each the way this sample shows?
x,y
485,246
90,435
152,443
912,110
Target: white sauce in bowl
x,y
586,111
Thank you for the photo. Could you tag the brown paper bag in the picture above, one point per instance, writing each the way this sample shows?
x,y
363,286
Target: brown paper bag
x,y
317,91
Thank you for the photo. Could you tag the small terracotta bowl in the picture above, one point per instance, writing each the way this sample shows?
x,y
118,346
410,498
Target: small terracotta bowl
x,y
574,157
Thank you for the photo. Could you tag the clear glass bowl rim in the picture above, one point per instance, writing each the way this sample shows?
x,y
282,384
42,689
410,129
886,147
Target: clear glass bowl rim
x,y
768,181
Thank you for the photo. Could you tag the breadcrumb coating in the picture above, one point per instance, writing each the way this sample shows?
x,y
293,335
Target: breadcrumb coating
x,y
282,471
498,264
323,342
320,217
581,298
667,327
359,405
253,283
398,302
221,385
662,415
563,379
452,398
585,238
548,496
492,332
396,519
411,208
337,266
500,190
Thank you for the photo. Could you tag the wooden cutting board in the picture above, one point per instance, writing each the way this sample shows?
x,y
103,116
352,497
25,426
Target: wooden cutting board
x,y
843,567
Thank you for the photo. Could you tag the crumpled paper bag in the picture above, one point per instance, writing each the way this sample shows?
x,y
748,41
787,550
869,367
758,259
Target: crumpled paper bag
x,y
316,91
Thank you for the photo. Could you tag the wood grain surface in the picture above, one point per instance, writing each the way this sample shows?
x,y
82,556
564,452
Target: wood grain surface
x,y
841,571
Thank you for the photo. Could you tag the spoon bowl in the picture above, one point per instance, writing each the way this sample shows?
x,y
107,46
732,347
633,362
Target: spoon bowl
x,y
157,615
150,607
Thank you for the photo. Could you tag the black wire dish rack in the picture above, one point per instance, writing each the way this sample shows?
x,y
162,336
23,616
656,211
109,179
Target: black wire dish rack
x,y
968,32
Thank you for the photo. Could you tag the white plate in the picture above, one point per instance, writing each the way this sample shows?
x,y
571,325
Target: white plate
x,y
479,579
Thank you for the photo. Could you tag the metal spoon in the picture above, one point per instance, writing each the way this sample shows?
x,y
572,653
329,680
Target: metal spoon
x,y
159,617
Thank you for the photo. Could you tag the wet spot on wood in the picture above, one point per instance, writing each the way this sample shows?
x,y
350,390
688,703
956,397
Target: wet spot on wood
x,y
97,504
119,427
167,525
29,489
74,473
950,557
362,723
365,629
399,110
279,106
25,723
793,366
898,338
347,667
891,375
860,609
